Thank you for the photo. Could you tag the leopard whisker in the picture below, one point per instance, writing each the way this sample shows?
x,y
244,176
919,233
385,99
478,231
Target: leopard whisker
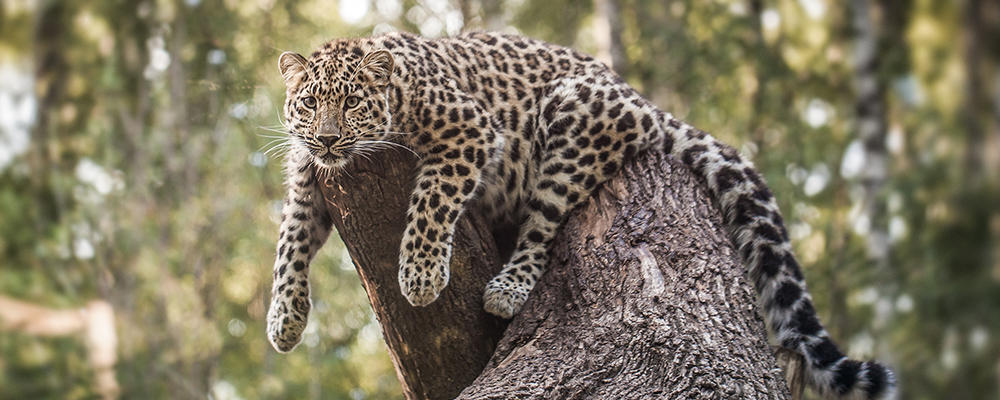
x,y
275,130
362,134
275,140
272,150
275,144
388,144
277,151
281,119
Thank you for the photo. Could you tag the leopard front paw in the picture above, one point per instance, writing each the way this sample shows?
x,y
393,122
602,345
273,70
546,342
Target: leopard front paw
x,y
286,319
504,298
424,286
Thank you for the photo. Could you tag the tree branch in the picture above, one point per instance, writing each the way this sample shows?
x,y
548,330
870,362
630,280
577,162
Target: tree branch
x,y
95,323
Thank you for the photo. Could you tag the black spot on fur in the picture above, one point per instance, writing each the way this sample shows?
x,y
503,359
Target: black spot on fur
x,y
441,214
824,353
626,122
727,152
551,213
746,210
805,320
787,294
793,267
438,148
753,176
609,168
616,110
878,379
726,178
596,108
846,376
559,127
602,141
768,232
692,154
468,186
646,122
770,263
762,194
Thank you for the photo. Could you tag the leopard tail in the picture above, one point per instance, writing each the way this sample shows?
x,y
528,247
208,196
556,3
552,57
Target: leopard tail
x,y
758,231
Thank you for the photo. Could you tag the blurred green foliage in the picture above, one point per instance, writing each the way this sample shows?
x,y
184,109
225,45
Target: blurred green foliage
x,y
133,169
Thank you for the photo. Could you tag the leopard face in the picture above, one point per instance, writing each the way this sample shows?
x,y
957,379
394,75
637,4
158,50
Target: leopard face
x,y
337,104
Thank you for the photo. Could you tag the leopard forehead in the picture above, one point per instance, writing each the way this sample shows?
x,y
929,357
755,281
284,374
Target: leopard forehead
x,y
334,67
329,75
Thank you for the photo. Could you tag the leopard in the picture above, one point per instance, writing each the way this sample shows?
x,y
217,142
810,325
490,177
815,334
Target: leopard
x,y
525,131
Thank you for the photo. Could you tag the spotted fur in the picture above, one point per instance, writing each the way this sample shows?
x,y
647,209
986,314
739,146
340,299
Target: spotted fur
x,y
530,129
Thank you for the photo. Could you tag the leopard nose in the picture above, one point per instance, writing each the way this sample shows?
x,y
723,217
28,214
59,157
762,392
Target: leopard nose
x,y
328,140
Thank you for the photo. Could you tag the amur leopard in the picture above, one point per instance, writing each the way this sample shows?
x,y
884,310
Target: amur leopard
x,y
530,129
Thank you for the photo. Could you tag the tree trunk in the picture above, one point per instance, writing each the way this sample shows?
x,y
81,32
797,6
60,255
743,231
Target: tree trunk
x,y
981,119
493,18
871,125
644,298
608,35
439,349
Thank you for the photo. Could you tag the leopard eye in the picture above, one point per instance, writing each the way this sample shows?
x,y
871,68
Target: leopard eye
x,y
309,101
352,101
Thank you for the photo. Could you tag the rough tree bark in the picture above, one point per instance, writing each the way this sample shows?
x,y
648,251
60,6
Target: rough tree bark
x,y
644,297
439,349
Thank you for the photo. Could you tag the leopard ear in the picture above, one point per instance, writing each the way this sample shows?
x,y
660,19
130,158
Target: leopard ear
x,y
291,65
379,64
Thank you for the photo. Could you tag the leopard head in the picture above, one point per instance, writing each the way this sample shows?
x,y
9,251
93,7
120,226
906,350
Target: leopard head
x,y
337,102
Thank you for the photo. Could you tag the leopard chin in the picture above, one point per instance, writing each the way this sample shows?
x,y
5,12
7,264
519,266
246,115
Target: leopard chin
x,y
331,162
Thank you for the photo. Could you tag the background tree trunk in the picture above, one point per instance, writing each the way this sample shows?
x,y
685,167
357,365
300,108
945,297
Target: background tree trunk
x,y
644,297
608,35
872,126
